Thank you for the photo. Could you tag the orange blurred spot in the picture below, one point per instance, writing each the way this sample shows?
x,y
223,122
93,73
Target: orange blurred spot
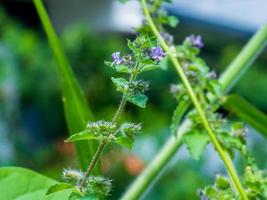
x,y
134,164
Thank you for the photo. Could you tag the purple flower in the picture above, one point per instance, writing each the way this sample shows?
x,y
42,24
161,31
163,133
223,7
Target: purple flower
x,y
195,41
156,53
117,58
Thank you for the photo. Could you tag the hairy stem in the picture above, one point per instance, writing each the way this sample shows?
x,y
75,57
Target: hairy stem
x,y
228,163
93,162
103,142
156,167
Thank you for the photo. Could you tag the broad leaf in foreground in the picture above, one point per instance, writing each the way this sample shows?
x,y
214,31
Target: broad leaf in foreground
x,y
23,184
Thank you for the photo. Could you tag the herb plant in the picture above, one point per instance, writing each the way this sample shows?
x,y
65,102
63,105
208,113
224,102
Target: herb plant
x,y
196,121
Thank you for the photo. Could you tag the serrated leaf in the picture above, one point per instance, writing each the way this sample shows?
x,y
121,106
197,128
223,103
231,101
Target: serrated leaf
x,y
131,45
178,114
139,100
83,135
24,184
58,187
196,141
125,141
247,112
120,83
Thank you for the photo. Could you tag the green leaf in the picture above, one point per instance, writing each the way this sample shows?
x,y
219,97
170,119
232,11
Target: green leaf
x,y
76,109
247,112
122,68
196,141
23,184
178,114
58,187
139,100
164,63
173,21
120,84
125,141
109,64
222,182
83,135
131,46
150,67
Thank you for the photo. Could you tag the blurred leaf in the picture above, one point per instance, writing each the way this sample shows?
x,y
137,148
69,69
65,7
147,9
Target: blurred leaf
x,y
173,21
149,67
125,141
58,187
139,100
247,112
83,135
178,114
222,182
23,184
76,109
120,83
196,142
122,68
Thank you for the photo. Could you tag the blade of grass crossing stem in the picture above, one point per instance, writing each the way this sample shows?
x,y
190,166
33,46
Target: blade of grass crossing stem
x,y
242,62
244,59
76,109
247,112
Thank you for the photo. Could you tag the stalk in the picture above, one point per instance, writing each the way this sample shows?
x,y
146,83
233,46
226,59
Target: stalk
x,y
104,142
244,59
229,166
167,152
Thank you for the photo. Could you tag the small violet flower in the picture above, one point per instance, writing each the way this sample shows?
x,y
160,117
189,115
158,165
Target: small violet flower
x,y
195,41
117,58
156,53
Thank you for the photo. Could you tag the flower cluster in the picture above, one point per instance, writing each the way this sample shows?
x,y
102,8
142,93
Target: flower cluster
x,y
156,53
101,128
72,175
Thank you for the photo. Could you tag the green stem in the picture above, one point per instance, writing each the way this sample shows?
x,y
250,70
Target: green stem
x,y
167,152
104,142
152,171
93,163
228,163
244,59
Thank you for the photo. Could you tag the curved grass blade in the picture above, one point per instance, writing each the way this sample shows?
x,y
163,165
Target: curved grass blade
x,y
247,112
76,109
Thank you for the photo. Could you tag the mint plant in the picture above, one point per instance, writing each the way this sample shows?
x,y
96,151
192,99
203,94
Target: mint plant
x,y
196,121
144,55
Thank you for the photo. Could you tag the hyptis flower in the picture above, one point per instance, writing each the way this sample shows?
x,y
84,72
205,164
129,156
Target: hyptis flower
x,y
195,41
156,53
117,58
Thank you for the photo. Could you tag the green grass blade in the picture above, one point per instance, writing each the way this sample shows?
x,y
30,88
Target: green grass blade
x,y
76,109
244,59
247,112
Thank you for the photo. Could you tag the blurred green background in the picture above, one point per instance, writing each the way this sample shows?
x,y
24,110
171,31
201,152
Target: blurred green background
x,y
32,125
